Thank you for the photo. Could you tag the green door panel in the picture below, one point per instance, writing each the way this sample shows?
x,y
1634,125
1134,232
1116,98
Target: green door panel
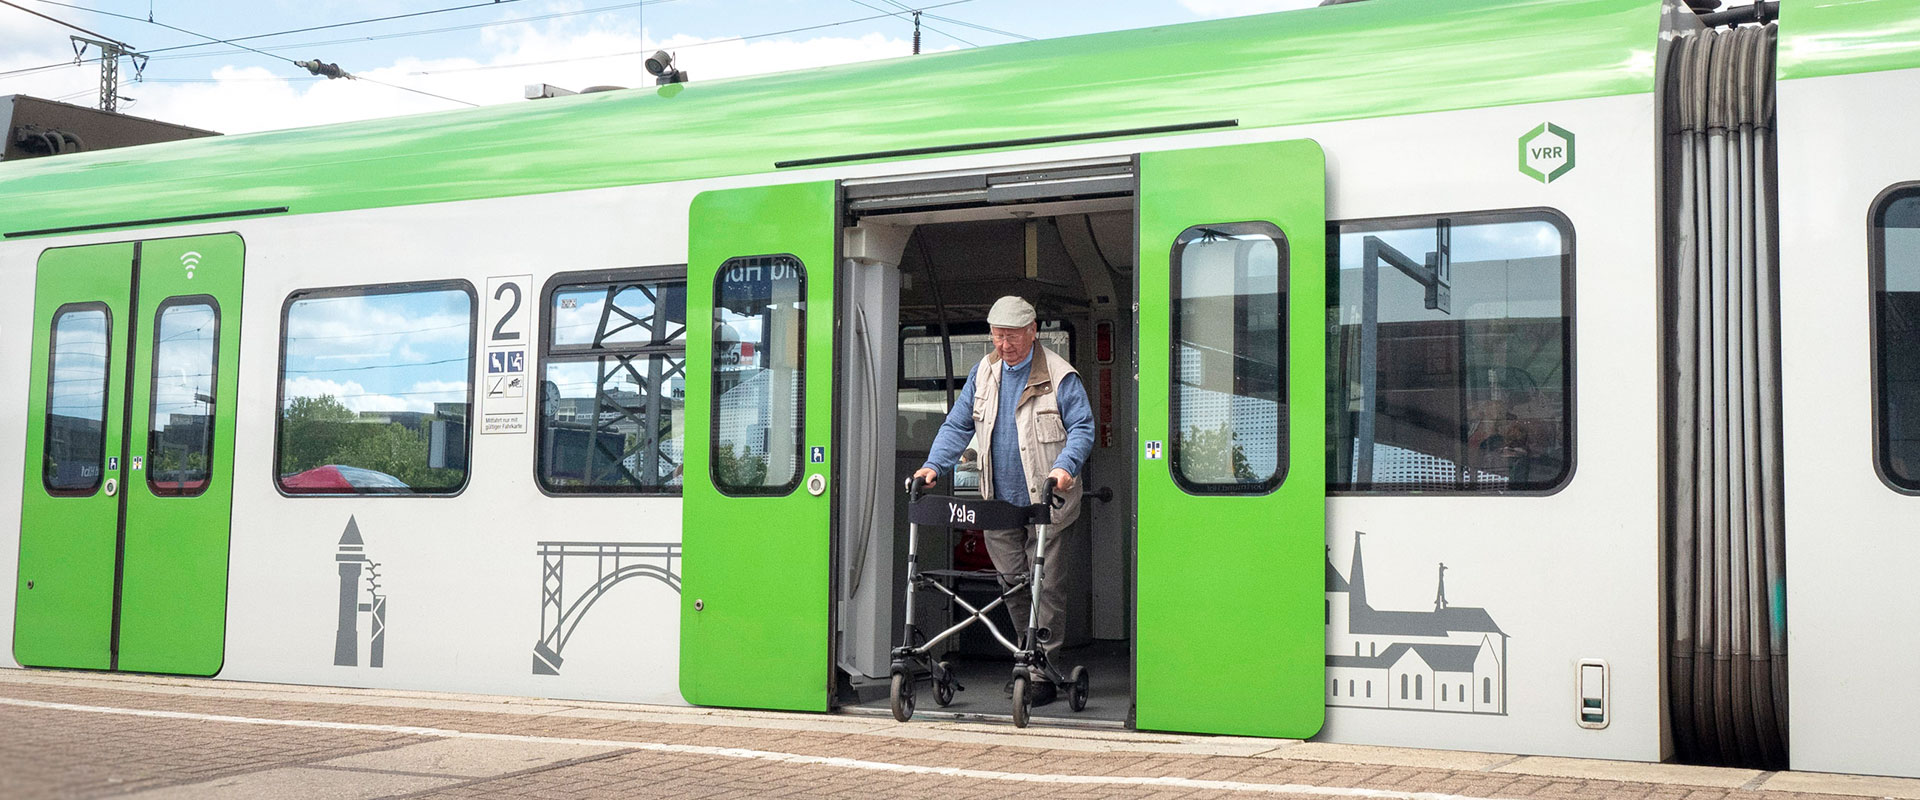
x,y
755,581
115,575
68,540
1230,620
173,594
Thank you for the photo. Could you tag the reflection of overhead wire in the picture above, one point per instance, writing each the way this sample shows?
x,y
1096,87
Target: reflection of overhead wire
x,y
375,366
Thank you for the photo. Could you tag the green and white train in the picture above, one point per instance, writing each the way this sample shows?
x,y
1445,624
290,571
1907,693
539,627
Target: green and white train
x,y
1591,322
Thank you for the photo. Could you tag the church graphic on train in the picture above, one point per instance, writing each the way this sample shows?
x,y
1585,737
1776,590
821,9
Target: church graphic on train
x,y
1451,659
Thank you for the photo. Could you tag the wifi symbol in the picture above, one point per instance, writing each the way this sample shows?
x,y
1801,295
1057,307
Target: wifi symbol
x,y
190,259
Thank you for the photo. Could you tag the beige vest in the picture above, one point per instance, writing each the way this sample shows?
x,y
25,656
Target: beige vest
x,y
1043,433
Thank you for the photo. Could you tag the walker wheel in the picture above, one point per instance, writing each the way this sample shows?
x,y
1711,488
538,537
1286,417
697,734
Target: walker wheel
x,y
1077,692
901,695
943,685
1020,700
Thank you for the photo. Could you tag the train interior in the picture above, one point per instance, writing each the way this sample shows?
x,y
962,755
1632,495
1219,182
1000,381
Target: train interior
x,y
919,327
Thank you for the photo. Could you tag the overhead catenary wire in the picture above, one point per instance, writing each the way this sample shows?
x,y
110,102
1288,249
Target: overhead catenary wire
x,y
254,50
407,34
676,47
1009,34
913,15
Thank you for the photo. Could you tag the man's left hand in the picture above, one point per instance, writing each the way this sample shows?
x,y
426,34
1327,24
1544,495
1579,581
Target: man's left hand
x,y
1061,480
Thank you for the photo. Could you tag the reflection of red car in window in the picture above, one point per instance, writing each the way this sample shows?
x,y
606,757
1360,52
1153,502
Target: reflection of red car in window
x,y
337,479
169,486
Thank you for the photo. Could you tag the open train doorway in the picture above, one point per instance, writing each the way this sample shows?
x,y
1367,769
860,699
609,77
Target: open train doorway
x,y
927,257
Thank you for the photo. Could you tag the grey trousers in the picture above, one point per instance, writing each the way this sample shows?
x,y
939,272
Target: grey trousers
x,y
1012,552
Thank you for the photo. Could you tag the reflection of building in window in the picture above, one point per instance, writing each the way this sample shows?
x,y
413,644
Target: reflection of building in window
x,y
1459,387
614,392
758,322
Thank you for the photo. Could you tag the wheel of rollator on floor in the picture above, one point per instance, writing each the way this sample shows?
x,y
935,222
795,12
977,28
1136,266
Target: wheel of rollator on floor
x,y
1078,689
1020,698
900,693
943,684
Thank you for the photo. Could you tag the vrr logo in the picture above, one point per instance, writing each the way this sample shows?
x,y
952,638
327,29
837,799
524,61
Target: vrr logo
x,y
1546,152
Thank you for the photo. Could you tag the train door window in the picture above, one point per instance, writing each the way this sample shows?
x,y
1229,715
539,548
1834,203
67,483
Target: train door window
x,y
759,324
1229,343
613,394
376,390
77,399
180,442
1896,290
1450,359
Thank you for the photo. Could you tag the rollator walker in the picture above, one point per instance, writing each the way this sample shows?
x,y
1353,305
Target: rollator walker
x,y
1029,662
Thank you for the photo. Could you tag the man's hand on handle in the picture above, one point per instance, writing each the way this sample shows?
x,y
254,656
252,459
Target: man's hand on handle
x,y
927,475
1061,480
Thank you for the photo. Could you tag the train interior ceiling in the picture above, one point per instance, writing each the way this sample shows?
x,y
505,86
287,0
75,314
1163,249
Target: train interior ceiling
x,y
919,321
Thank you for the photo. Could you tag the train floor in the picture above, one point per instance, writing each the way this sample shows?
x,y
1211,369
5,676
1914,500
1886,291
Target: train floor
x,y
1110,697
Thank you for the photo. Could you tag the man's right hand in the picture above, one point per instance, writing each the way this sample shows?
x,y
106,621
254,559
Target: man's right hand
x,y
926,476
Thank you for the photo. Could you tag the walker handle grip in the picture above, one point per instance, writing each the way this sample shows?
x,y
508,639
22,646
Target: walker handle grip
x,y
1054,499
913,489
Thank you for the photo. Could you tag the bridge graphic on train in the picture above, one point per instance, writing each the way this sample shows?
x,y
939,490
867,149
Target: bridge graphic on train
x,y
600,566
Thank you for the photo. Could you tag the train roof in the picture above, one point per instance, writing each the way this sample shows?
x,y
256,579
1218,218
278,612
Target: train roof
x,y
1353,61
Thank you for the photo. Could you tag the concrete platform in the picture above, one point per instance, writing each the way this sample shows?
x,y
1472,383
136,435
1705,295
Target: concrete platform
x,y
70,734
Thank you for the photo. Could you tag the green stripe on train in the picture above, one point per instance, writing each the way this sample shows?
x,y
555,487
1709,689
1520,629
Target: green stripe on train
x,y
1365,60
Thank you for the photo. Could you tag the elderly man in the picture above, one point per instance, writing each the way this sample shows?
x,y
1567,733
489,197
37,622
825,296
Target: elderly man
x,y
1031,413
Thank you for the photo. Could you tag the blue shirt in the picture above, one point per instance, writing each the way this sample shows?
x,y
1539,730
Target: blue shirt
x,y
1075,412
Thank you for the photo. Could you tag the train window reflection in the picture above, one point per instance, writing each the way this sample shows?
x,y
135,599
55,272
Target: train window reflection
x,y
180,441
1896,251
1229,358
77,399
375,390
759,322
1449,367
613,393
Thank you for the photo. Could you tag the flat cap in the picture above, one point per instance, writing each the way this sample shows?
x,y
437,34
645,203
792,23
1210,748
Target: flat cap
x,y
1010,312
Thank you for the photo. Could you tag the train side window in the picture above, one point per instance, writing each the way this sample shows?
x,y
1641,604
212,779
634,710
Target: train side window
x,y
613,391
186,337
759,335
76,443
1895,252
1450,360
1228,399
376,388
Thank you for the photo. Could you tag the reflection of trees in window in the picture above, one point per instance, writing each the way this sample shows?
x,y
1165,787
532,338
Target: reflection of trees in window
x,y
1449,353
375,390
613,394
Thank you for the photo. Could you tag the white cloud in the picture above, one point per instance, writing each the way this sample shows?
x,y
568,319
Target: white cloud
x,y
1238,8
420,397
239,99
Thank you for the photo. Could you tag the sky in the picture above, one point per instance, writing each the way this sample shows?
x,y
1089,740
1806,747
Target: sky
x,y
452,53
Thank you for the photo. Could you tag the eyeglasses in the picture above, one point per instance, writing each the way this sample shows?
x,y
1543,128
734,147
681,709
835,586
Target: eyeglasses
x,y
1009,337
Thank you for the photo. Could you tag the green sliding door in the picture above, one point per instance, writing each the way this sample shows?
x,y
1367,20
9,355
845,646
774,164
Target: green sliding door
x,y
755,525
1232,489
129,491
